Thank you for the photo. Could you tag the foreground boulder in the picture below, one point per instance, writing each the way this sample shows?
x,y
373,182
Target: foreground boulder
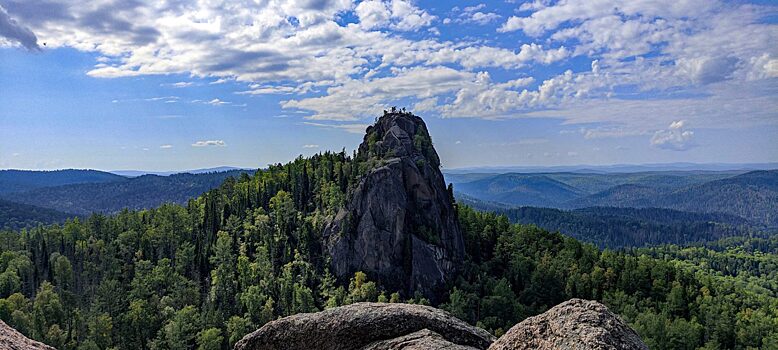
x,y
11,339
399,225
574,324
424,339
371,326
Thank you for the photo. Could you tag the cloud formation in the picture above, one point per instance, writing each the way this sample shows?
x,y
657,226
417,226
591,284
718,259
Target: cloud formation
x,y
14,32
209,143
652,62
676,137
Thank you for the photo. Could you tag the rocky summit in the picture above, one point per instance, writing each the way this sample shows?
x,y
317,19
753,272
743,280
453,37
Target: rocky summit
x,y
574,324
11,339
399,225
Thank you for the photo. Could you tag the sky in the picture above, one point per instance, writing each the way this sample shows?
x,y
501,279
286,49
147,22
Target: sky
x,y
174,85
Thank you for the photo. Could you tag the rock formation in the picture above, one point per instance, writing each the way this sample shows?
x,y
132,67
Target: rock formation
x,y
400,224
424,339
11,339
371,326
574,324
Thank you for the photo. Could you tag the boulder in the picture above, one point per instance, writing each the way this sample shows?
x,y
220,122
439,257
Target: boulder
x,y
424,339
368,326
11,339
574,324
399,225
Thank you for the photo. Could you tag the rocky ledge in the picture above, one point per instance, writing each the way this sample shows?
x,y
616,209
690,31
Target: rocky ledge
x,y
574,324
11,339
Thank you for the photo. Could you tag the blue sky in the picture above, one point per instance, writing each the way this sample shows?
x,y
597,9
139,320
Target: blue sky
x,y
171,85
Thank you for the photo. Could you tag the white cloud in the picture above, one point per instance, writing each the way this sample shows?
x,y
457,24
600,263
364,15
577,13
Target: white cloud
x,y
675,137
349,128
166,146
181,84
396,14
368,97
11,30
699,60
217,102
209,143
473,14
310,146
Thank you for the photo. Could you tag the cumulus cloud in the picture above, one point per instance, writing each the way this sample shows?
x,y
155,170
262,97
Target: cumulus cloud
x,y
396,14
676,137
473,14
13,31
696,60
166,146
310,146
209,143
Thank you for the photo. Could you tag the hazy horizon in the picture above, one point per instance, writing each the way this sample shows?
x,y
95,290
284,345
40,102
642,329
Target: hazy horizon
x,y
678,166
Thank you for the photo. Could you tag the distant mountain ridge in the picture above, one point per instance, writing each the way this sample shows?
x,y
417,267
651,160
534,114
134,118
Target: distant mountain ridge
x,y
752,195
13,180
147,191
136,173
617,168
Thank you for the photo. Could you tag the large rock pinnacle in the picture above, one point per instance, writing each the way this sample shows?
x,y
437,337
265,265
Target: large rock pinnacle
x,y
400,224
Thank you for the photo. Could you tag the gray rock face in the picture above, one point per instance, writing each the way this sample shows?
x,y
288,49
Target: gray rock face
x,y
11,339
371,326
424,339
574,324
400,224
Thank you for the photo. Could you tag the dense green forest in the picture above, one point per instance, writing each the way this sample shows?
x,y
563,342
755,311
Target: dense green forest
x,y
15,216
205,274
609,227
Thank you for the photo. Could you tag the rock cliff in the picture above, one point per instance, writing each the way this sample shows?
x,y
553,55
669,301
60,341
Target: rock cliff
x,y
399,225
11,339
574,324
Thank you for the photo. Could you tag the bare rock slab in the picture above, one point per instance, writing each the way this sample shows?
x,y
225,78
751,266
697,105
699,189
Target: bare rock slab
x,y
361,325
11,339
573,325
424,339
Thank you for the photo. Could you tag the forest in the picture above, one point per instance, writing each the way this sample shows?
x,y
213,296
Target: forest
x,y
611,227
204,274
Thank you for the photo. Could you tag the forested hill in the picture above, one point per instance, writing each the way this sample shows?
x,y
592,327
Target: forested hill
x,y
25,180
251,250
147,191
611,227
15,216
